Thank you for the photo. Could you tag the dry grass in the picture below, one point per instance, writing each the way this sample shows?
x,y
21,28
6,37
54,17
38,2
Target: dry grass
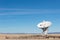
x,y
29,37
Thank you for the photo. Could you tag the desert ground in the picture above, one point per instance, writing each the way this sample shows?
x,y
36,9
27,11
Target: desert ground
x,y
29,37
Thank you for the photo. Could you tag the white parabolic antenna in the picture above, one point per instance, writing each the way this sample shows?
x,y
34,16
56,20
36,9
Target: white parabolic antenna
x,y
44,25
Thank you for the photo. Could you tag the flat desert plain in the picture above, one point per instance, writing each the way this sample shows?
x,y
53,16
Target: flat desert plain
x,y
29,37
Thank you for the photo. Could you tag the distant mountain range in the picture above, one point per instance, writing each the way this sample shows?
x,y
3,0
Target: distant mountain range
x,y
54,33
32,33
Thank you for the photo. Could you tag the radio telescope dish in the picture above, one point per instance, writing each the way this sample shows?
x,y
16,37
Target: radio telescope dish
x,y
44,25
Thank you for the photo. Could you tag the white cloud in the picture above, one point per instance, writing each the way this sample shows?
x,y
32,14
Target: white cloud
x,y
27,11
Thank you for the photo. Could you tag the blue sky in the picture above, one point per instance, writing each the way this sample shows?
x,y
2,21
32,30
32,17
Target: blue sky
x,y
22,16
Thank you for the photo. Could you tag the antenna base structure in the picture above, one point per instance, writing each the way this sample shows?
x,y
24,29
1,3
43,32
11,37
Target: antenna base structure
x,y
45,31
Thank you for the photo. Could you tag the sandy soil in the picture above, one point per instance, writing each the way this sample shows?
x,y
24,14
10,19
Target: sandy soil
x,y
29,37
